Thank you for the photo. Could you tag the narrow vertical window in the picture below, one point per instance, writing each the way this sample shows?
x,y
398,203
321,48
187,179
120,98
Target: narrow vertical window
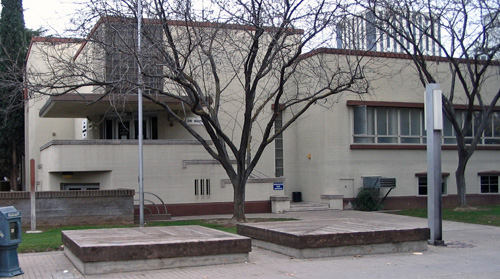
x,y
202,187
278,147
364,118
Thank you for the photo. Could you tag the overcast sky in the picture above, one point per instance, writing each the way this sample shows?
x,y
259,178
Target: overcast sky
x,y
53,15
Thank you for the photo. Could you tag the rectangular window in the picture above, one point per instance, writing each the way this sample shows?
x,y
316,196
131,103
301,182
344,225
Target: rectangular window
x,y
422,186
121,65
489,184
392,125
364,127
491,134
202,187
278,148
388,125
128,128
448,132
371,32
492,131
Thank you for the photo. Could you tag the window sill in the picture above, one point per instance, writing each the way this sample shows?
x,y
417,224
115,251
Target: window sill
x,y
425,196
414,147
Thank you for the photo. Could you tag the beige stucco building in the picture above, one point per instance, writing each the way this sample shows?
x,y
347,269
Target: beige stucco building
x,y
80,141
336,148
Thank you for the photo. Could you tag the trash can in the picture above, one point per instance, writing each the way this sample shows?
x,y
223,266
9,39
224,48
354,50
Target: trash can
x,y
10,237
297,196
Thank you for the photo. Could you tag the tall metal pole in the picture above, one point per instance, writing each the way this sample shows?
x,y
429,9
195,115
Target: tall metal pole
x,y
33,195
139,104
434,123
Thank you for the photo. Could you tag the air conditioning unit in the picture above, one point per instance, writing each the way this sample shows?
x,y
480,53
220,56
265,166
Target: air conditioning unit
x,y
371,181
386,182
377,182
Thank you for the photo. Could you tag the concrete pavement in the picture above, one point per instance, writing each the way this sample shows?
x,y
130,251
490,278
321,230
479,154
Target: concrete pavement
x,y
473,251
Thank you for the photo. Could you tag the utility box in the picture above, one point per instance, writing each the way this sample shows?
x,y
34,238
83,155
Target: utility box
x,y
10,237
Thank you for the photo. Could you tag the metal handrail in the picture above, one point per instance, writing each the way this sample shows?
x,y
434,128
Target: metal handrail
x,y
155,204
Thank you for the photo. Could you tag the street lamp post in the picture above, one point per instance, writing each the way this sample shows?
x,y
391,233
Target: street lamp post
x,y
139,104
434,126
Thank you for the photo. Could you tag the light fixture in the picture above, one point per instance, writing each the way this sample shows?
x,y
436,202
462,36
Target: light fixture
x,y
67,174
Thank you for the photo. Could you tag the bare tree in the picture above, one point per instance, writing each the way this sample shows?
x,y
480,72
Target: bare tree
x,y
463,34
235,64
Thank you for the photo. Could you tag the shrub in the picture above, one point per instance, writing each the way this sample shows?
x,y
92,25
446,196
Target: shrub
x,y
368,199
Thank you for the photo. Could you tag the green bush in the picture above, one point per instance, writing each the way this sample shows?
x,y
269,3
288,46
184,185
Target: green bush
x,y
368,199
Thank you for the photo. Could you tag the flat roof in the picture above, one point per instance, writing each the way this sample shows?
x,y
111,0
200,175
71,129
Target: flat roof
x,y
74,105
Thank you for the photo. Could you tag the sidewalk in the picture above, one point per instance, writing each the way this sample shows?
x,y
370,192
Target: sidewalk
x,y
473,251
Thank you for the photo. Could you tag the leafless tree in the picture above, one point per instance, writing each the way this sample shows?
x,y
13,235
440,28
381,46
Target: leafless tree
x,y
463,34
251,55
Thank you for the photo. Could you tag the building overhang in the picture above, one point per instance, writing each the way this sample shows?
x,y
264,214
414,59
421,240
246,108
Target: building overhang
x,y
74,105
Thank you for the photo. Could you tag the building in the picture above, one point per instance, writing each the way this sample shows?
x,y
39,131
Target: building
x,y
361,33
86,140
338,150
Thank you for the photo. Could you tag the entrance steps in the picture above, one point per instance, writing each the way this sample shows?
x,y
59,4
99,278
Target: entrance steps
x,y
306,206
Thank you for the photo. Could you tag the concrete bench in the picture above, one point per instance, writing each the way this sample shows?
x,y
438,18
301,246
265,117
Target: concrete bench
x,y
338,237
280,204
100,251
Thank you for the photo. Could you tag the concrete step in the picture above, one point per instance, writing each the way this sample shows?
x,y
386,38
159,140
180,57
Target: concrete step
x,y
303,206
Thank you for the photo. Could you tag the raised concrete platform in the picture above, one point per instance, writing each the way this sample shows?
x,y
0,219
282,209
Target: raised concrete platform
x,y
328,238
134,249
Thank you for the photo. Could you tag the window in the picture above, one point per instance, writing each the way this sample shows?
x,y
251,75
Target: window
x,y
127,128
422,185
388,125
80,186
489,184
492,131
491,134
371,32
121,64
392,125
278,148
202,187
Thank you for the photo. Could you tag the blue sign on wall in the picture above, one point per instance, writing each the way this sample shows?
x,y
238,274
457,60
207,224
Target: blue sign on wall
x,y
278,186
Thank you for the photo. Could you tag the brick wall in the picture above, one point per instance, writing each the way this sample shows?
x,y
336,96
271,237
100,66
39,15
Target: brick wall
x,y
58,208
448,201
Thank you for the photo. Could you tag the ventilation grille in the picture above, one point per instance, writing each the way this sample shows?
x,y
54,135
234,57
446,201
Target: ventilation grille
x,y
377,182
202,187
387,182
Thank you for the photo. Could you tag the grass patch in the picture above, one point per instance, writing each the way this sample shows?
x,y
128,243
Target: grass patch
x,y
50,239
484,215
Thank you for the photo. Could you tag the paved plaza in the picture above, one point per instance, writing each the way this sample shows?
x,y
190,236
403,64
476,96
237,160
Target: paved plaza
x,y
473,251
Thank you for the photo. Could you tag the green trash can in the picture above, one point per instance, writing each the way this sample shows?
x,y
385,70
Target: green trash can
x,y
10,237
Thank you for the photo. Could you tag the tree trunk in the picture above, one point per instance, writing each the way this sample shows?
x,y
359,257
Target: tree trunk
x,y
239,201
14,172
460,177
